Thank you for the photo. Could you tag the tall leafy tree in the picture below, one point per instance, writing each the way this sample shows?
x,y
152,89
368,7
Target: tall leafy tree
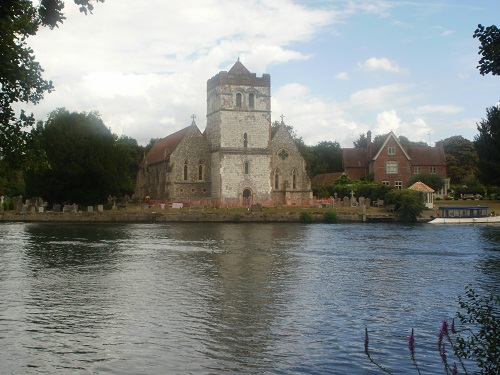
x,y
86,161
21,75
361,142
487,144
461,158
430,179
489,37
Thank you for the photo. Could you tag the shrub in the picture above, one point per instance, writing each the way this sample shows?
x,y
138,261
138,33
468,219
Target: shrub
x,y
408,203
331,217
306,217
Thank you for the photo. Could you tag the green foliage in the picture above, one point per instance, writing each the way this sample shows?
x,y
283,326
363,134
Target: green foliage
x,y
432,180
479,339
361,142
331,217
87,162
21,78
371,190
487,144
489,37
408,203
462,161
306,217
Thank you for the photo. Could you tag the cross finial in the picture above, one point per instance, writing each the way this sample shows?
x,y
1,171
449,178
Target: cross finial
x,y
282,117
193,116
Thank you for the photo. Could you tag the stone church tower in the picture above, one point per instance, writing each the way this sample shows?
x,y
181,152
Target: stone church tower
x,y
238,132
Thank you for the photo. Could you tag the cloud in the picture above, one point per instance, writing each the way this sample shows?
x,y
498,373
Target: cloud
x,y
444,109
379,97
376,64
342,76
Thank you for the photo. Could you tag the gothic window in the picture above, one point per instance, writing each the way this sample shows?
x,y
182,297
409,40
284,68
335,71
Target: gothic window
x,y
276,180
251,101
283,154
294,180
245,140
200,172
238,100
391,167
185,177
247,167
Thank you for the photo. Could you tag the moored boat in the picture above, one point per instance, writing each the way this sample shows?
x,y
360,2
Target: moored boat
x,y
464,215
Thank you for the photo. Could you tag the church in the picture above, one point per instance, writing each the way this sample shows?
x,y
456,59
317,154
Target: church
x,y
238,160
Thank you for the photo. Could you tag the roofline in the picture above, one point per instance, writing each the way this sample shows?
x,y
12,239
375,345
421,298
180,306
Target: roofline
x,y
391,134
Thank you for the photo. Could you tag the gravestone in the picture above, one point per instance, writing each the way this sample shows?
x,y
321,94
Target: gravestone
x,y
367,202
41,209
56,207
100,208
90,208
346,202
18,203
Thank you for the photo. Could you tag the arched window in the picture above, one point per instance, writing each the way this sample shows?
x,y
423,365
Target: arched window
x,y
276,179
245,139
238,100
185,171
294,180
247,167
200,172
251,101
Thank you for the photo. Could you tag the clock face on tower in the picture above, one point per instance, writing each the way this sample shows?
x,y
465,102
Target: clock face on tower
x,y
283,154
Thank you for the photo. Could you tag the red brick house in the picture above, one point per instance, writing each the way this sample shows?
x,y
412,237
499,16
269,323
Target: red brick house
x,y
393,164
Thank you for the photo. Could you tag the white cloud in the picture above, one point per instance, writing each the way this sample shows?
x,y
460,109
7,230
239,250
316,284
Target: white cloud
x,y
379,97
444,109
375,64
342,76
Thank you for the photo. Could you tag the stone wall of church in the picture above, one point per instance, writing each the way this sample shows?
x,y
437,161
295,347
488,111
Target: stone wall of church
x,y
289,166
235,179
186,180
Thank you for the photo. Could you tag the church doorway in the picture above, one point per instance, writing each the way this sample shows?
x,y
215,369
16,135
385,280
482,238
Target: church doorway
x,y
247,197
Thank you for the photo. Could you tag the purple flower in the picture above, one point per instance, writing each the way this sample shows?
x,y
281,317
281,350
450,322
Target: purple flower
x,y
443,331
411,343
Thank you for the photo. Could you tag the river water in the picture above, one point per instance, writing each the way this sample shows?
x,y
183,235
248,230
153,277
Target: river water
x,y
224,298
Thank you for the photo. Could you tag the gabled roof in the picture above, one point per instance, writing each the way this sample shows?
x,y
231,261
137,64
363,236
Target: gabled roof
x,y
389,136
426,155
239,69
164,147
355,157
420,186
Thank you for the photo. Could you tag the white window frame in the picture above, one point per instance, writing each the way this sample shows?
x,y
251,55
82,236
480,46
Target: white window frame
x,y
391,167
398,184
391,150
386,183
416,170
432,170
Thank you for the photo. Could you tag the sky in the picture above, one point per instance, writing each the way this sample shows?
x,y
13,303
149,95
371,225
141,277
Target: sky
x,y
338,68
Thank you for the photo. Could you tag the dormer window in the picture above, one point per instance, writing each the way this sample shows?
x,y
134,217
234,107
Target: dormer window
x,y
391,150
238,100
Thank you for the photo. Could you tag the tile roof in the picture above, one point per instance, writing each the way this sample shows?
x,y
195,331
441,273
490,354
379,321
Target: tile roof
x,y
355,157
164,147
239,68
426,155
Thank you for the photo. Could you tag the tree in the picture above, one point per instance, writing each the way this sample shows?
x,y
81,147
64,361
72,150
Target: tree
x,y
21,75
430,179
487,144
361,142
489,38
461,158
87,162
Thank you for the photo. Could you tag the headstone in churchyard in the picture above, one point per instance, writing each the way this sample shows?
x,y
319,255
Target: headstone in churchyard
x,y
41,209
18,203
361,201
32,209
367,202
100,208
90,208
56,207
346,202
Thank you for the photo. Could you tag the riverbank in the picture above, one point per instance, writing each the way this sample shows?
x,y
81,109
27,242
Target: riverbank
x,y
210,215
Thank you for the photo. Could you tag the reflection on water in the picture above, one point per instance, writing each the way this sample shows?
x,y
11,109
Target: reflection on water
x,y
232,298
